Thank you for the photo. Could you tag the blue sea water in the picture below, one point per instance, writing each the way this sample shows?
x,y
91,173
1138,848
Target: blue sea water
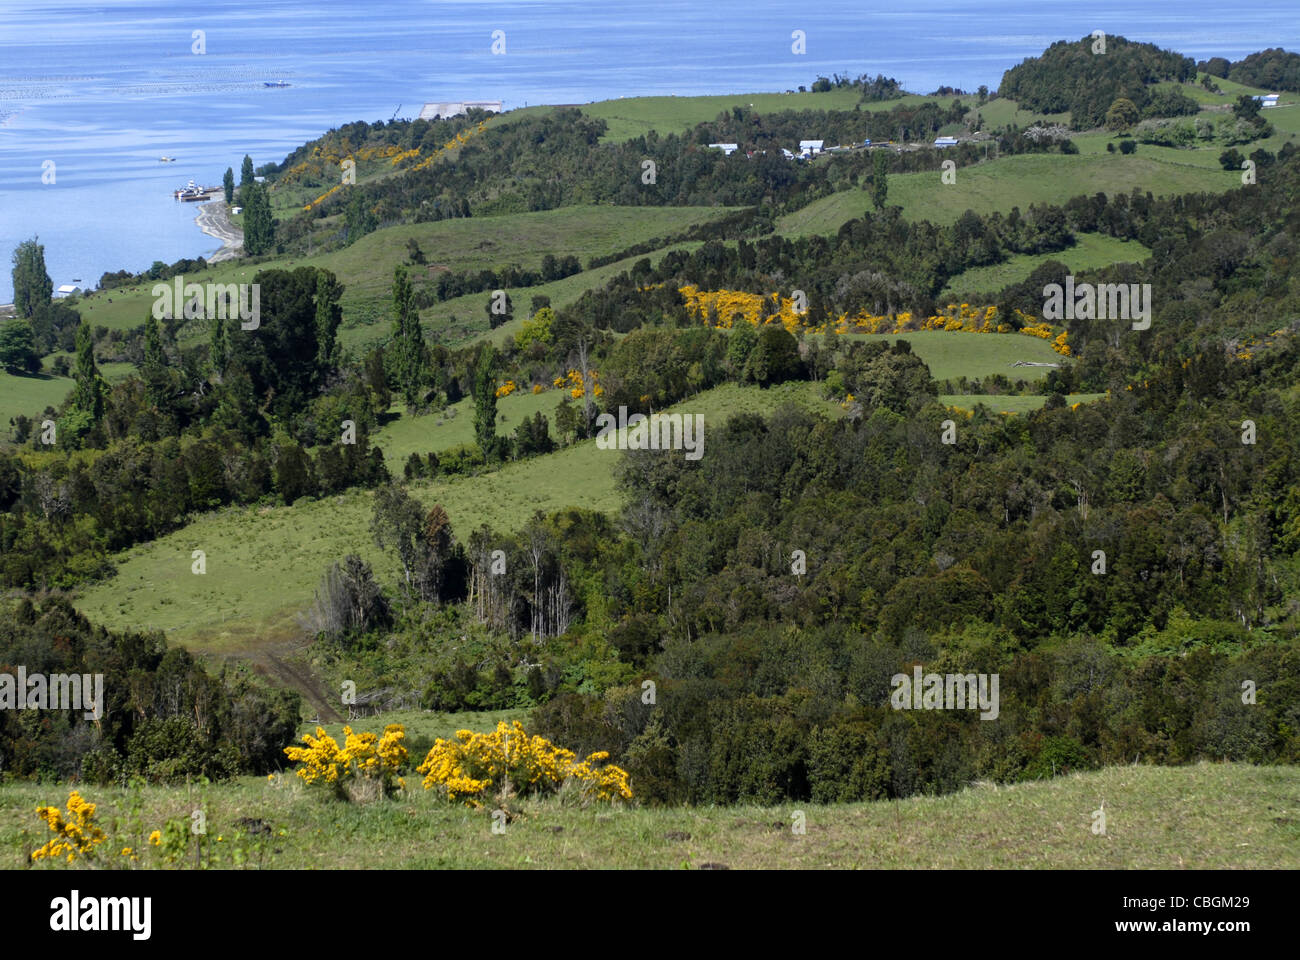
x,y
101,90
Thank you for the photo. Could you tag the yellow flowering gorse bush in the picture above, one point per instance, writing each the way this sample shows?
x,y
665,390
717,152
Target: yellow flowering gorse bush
x,y
724,308
467,767
573,382
362,756
74,835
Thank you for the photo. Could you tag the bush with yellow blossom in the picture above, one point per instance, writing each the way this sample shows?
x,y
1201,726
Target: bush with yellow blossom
x,y
363,757
75,835
510,760
577,387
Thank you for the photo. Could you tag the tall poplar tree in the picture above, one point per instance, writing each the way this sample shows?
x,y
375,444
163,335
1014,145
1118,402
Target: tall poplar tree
x,y
88,394
485,401
879,179
33,287
407,338
259,222
328,315
154,369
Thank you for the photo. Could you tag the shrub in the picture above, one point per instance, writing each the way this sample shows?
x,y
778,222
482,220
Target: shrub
x,y
365,765
1058,755
510,761
76,835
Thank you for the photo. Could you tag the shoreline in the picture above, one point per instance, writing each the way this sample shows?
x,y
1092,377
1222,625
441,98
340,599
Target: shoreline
x,y
214,219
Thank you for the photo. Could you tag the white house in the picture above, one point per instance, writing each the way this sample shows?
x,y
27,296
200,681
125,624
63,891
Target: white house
x,y
726,148
1268,100
454,108
68,290
942,142
787,154
810,148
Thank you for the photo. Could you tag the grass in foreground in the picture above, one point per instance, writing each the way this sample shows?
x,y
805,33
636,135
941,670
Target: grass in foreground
x,y
1206,816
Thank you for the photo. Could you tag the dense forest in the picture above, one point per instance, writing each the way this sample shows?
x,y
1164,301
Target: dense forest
x,y
1273,69
169,721
1072,76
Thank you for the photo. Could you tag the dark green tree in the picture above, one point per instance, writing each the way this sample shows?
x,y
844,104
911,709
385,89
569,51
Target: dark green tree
x,y
259,222
879,179
485,400
218,352
154,368
408,340
245,174
17,347
33,287
228,182
88,394
328,315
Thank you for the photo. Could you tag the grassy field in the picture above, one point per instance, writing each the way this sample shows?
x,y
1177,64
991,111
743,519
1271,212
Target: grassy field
x,y
463,320
636,116
405,434
1206,816
1093,250
1001,112
264,563
29,396
1015,181
475,243
950,354
1010,404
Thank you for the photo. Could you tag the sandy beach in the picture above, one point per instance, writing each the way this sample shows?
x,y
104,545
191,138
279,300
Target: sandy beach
x,y
214,220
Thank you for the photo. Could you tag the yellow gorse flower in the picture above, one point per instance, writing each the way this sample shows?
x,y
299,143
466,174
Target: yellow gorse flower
x,y
76,835
362,755
725,308
472,763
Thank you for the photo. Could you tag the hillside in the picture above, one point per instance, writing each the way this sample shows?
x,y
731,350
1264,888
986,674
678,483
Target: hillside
x,y
1207,816
919,469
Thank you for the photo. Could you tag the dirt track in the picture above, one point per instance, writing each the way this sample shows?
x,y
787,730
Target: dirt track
x,y
282,664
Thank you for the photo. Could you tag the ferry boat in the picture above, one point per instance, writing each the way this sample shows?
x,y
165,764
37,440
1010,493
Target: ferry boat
x,y
192,192
165,159
274,83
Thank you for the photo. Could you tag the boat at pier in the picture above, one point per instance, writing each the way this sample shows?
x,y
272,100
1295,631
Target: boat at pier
x,y
192,192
